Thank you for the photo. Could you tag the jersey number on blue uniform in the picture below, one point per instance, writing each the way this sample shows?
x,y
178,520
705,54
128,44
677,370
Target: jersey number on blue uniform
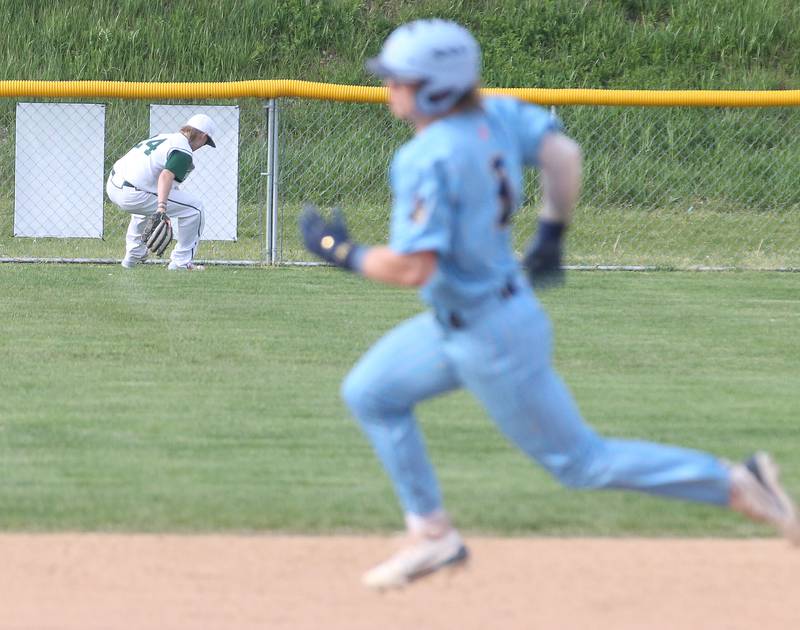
x,y
503,191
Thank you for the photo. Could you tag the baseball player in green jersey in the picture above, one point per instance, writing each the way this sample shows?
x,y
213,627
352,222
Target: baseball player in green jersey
x,y
144,181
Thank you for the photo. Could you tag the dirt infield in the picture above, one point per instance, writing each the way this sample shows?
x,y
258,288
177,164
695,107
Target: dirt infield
x,y
109,582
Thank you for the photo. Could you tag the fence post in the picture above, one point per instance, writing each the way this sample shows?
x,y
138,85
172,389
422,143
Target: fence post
x,y
272,181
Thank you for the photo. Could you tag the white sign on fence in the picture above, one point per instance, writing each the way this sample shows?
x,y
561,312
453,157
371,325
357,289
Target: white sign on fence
x,y
58,177
215,179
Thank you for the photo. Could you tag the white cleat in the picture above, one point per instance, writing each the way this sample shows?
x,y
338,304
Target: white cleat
x,y
129,262
756,492
187,267
420,558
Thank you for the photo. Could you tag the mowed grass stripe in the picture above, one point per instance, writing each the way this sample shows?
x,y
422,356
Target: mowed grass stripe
x,y
152,401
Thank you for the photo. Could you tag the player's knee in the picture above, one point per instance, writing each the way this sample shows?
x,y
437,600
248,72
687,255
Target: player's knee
x,y
584,468
366,398
355,393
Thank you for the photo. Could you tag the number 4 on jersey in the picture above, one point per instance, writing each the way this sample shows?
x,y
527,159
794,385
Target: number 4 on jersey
x,y
151,144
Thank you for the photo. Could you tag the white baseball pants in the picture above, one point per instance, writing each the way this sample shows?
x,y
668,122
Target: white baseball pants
x,y
183,208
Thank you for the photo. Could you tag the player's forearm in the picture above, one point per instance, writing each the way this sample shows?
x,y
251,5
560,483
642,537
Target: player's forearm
x,y
165,180
561,167
560,175
408,270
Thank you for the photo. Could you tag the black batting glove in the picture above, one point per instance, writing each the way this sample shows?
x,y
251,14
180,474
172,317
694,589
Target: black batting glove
x,y
542,263
329,239
542,259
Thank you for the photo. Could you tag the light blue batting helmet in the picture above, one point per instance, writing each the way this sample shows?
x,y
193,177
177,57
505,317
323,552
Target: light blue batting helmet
x,y
440,55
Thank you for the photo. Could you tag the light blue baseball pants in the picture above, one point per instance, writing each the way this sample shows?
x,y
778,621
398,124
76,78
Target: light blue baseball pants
x,y
503,356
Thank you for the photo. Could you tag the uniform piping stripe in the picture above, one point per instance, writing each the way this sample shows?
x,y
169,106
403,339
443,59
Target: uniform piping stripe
x,y
179,203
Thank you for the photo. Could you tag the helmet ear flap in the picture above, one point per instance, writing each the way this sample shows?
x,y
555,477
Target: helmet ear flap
x,y
432,103
421,99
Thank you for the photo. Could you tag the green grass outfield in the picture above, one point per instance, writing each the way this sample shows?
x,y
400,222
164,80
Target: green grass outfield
x,y
152,401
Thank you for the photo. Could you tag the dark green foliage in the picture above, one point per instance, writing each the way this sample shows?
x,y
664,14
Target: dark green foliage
x,y
559,43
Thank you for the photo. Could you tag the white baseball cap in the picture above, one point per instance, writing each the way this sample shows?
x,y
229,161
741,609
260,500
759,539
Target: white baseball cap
x,y
203,123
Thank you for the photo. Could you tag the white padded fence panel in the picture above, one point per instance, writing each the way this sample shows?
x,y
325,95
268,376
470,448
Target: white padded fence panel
x,y
215,176
58,181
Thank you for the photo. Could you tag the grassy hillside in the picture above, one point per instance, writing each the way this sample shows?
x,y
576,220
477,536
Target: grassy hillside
x,y
559,43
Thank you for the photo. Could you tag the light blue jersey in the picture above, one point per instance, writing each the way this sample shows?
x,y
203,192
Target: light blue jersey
x,y
456,187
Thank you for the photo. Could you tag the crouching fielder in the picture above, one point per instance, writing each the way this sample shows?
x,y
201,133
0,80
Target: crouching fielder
x,y
455,187
144,180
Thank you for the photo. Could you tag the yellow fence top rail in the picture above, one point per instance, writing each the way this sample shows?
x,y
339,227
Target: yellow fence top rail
x,y
362,94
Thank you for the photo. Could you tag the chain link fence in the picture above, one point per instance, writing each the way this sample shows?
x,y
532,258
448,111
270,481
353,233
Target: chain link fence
x,y
126,123
673,187
669,187
687,187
